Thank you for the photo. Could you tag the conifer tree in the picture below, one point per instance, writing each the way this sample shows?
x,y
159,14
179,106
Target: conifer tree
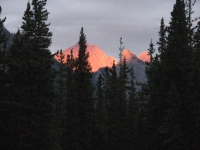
x,y
4,102
177,62
121,99
61,73
113,136
106,82
196,55
189,11
84,91
3,47
106,89
31,66
151,51
154,106
173,138
61,87
121,104
162,38
133,113
101,115
70,134
60,101
18,88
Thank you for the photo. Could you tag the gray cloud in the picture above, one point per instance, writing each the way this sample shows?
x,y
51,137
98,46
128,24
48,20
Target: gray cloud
x,y
104,21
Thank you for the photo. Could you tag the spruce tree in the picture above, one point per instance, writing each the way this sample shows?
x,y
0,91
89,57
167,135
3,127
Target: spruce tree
x,y
154,102
61,87
18,88
121,104
133,113
173,138
162,38
61,73
101,115
3,47
113,136
177,62
156,105
4,101
84,92
106,88
70,133
151,51
60,101
31,66
196,103
189,11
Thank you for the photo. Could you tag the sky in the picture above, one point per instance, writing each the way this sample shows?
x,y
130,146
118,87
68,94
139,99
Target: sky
x,y
104,22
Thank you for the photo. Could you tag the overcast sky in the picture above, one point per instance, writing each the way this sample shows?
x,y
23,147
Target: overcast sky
x,y
104,21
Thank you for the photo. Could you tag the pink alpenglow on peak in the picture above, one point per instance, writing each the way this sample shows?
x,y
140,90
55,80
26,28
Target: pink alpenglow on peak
x,y
144,56
97,57
128,55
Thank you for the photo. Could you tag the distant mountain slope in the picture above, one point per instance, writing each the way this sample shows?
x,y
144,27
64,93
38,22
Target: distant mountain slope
x,y
132,61
99,61
138,65
10,36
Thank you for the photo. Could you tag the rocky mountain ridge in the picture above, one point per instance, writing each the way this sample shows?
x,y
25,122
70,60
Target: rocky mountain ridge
x,y
98,60
97,57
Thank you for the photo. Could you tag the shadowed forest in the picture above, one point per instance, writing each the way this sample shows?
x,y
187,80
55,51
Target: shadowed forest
x,y
47,104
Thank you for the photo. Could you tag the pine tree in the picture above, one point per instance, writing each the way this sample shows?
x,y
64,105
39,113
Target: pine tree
x,y
113,136
196,103
196,55
70,138
61,87
172,130
156,105
162,43
27,24
18,87
4,102
32,79
176,63
3,47
154,101
151,51
61,73
188,7
133,113
60,101
84,91
106,82
121,104
107,90
101,115
85,108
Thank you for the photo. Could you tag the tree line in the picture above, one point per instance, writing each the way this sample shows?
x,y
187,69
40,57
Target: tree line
x,y
46,108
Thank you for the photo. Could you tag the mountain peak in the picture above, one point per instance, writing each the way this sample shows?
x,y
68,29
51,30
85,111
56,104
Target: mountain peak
x,y
144,56
97,57
128,55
